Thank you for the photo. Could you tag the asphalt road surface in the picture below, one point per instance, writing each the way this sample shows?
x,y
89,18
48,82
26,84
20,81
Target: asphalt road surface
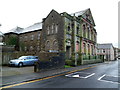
x,y
100,76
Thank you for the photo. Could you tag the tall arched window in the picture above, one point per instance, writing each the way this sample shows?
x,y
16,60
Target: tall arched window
x,y
77,46
48,30
84,32
84,48
47,46
92,49
55,45
88,49
56,28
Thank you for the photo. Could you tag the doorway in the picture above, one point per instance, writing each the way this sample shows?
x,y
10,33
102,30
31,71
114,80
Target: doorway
x,y
68,52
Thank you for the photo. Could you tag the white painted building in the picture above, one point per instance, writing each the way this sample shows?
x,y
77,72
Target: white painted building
x,y
1,38
107,50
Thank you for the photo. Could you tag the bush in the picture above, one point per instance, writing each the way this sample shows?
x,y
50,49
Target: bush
x,y
69,62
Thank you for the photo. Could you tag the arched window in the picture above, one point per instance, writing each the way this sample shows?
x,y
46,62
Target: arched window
x,y
84,32
88,32
38,48
84,48
77,46
47,45
77,32
92,49
88,49
38,36
52,28
48,30
55,45
56,28
31,48
68,28
25,48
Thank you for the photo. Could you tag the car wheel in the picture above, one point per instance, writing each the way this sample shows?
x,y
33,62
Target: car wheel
x,y
20,64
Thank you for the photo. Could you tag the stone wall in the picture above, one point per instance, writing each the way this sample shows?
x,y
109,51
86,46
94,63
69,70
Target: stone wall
x,y
30,41
43,56
52,31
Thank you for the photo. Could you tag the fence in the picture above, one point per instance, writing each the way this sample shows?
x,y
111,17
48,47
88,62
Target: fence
x,y
92,57
87,59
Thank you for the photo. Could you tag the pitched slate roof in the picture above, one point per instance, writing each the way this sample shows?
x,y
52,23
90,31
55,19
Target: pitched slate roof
x,y
16,30
79,13
36,26
1,34
83,15
105,46
19,30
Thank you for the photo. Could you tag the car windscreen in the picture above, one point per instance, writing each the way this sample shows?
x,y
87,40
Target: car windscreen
x,y
22,57
34,57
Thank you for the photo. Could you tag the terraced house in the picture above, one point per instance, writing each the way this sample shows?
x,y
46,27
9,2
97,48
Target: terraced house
x,y
74,34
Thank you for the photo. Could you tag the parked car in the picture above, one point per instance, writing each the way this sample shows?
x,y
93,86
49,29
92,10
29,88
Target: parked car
x,y
24,60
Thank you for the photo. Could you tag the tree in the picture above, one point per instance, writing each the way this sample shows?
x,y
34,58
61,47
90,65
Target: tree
x,y
12,40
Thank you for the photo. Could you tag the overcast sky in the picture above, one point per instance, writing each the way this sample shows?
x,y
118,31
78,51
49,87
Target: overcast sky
x,y
24,13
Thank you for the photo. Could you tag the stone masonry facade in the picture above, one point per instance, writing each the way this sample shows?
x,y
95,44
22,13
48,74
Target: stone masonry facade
x,y
74,34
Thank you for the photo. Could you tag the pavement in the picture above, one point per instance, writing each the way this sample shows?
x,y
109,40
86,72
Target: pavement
x,y
13,76
10,71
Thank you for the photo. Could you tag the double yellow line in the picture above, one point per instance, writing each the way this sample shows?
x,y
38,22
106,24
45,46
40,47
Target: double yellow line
x,y
44,78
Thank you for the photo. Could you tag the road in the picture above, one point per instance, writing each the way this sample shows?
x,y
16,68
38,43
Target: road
x,y
103,75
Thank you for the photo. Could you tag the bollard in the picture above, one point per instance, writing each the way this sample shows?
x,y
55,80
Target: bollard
x,y
36,66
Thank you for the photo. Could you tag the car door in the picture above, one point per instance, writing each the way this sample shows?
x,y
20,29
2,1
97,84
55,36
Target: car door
x,y
27,61
33,60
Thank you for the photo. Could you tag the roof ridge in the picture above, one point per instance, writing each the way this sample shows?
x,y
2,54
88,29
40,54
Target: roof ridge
x,y
80,11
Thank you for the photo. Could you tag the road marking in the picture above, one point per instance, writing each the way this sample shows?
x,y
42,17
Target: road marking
x,y
100,79
44,78
77,74
90,75
109,81
112,76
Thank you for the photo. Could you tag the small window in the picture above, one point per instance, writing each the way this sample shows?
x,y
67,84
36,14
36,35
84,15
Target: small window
x,y
103,50
84,48
77,46
84,27
55,45
25,38
52,28
38,48
20,38
38,36
32,37
31,48
88,32
68,28
25,48
48,30
47,46
77,32
68,36
56,28
52,17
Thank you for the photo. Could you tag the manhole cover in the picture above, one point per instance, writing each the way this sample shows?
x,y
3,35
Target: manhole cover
x,y
80,75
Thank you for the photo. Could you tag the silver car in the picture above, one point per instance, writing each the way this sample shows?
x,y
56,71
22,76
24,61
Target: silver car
x,y
24,60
